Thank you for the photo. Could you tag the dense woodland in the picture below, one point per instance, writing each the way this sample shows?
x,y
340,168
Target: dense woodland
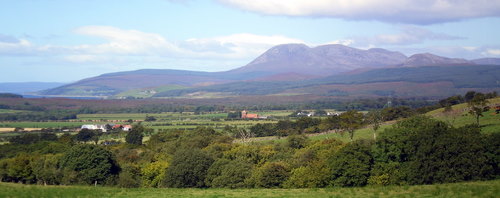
x,y
415,150
418,150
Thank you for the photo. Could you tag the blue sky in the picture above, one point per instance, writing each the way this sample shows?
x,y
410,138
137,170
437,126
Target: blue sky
x,y
67,40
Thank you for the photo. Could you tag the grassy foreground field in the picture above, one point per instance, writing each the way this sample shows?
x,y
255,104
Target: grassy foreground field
x,y
467,189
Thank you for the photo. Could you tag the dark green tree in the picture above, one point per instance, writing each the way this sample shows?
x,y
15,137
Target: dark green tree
x,y
46,169
225,173
469,95
270,175
135,135
86,135
297,141
421,150
130,177
20,170
351,165
91,164
150,118
188,169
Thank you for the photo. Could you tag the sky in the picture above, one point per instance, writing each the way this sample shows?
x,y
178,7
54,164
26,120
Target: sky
x,y
68,40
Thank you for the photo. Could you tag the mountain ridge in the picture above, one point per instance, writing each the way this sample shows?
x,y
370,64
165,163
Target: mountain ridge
x,y
287,62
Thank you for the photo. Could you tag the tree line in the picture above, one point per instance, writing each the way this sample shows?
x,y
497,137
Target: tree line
x,y
417,150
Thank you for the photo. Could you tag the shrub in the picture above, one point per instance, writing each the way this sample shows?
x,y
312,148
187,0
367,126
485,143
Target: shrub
x,y
421,150
226,173
351,166
154,173
91,164
270,175
188,169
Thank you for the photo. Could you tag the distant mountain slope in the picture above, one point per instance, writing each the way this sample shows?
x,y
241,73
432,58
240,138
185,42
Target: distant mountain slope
x,y
322,60
272,69
427,59
27,87
487,61
115,83
458,77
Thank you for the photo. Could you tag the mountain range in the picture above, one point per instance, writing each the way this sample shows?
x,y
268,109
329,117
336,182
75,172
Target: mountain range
x,y
296,69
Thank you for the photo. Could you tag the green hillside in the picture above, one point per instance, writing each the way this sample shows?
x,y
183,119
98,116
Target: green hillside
x,y
459,116
148,92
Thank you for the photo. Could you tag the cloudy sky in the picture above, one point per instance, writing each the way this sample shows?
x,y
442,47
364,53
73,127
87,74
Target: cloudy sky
x,y
67,40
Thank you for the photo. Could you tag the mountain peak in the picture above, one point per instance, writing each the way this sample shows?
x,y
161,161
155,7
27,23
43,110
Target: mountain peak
x,y
321,60
428,59
282,51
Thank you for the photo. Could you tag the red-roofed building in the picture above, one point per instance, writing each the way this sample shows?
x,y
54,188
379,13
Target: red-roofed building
x,y
246,115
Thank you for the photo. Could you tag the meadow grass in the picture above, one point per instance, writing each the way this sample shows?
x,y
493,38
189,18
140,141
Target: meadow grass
x,y
459,116
464,189
12,111
50,124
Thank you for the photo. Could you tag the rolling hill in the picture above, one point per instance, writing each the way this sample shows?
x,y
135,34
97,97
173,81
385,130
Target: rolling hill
x,y
432,81
296,69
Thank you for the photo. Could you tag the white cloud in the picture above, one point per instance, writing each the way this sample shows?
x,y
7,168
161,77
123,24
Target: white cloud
x,y
121,41
120,44
16,47
394,11
133,42
467,52
236,45
345,42
409,35
492,52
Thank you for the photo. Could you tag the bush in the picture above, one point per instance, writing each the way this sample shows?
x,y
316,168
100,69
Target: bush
x,y
129,177
351,166
226,173
135,135
188,169
314,175
297,141
270,175
89,164
154,173
421,150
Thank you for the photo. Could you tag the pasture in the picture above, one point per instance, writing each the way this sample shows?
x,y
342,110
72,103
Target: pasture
x,y
465,189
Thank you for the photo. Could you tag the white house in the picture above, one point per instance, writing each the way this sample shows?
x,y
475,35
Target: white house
x,y
95,127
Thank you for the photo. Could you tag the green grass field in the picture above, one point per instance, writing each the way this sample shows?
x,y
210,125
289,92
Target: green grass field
x,y
459,116
467,189
11,111
43,124
147,93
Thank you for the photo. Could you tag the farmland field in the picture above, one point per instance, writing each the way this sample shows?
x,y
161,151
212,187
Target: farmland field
x,y
466,189
458,116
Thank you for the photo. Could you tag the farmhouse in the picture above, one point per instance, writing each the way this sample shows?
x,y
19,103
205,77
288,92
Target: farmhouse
x,y
95,127
246,115
105,128
127,127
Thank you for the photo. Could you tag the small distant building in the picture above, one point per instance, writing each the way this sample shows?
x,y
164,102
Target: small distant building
x,y
126,127
246,115
332,113
308,114
104,128
101,127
